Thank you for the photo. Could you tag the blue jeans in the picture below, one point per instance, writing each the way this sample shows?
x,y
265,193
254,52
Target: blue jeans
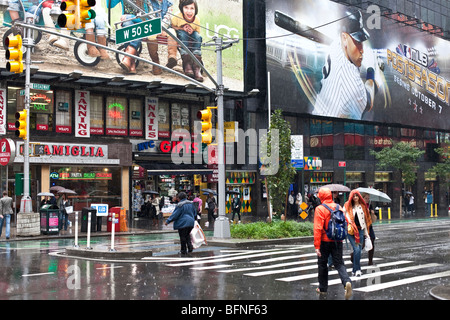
x,y
192,41
135,43
356,250
6,217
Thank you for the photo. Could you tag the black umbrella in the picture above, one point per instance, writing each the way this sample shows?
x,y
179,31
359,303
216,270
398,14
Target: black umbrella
x,y
233,192
209,191
149,192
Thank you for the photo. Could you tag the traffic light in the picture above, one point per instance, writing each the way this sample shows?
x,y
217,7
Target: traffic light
x,y
206,117
21,124
14,53
85,11
69,20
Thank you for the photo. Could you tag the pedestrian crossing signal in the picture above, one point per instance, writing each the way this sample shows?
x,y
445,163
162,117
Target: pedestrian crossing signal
x,y
14,54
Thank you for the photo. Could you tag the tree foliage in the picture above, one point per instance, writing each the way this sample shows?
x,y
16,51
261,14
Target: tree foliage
x,y
442,169
278,182
401,156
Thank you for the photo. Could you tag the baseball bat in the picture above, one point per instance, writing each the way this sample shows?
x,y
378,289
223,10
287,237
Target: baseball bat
x,y
290,24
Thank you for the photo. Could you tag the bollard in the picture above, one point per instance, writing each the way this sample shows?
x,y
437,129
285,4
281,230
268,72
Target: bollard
x,y
113,229
389,213
380,214
431,209
88,244
75,245
435,210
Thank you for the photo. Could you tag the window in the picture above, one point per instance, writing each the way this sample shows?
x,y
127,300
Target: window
x,y
63,103
116,116
321,138
136,118
97,120
353,141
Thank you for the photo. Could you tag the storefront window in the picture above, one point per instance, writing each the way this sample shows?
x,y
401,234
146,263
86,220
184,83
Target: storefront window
x,y
136,118
63,102
97,120
91,184
164,119
116,116
41,108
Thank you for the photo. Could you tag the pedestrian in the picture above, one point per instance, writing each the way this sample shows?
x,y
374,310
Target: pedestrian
x,y
184,219
325,247
411,204
292,208
374,218
63,216
5,214
155,209
236,208
359,220
198,201
212,208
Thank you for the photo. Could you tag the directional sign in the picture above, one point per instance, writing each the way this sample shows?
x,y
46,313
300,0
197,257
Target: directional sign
x,y
138,31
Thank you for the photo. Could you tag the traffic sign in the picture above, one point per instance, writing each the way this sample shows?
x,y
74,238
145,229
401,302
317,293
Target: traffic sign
x,y
342,164
138,31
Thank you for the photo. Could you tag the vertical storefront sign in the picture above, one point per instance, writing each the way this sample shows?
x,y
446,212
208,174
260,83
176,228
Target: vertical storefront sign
x,y
2,111
151,118
82,114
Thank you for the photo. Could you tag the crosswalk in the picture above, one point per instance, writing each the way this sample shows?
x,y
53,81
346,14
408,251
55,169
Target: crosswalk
x,y
298,264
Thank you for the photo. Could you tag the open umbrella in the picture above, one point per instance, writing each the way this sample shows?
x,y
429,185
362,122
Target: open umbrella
x,y
150,192
45,194
334,187
375,195
209,191
56,188
66,191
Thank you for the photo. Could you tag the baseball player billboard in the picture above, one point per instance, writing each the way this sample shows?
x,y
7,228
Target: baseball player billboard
x,y
332,60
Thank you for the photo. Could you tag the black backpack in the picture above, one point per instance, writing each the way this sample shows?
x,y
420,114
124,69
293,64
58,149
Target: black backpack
x,y
337,226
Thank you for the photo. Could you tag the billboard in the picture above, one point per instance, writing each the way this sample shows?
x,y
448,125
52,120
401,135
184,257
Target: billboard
x,y
332,60
223,19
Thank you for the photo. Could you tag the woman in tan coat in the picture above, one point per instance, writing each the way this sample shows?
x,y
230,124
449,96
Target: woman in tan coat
x,y
359,219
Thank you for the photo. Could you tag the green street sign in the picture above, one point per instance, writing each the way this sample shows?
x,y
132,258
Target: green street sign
x,y
138,31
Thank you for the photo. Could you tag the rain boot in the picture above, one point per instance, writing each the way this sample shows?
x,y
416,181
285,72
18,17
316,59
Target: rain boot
x,y
153,52
92,50
129,64
103,53
172,48
197,69
187,65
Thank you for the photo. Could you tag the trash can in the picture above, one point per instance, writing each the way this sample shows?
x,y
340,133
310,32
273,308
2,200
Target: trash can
x,y
120,214
84,219
49,214
113,214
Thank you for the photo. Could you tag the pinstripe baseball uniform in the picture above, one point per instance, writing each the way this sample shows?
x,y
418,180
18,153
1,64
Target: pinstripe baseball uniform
x,y
343,94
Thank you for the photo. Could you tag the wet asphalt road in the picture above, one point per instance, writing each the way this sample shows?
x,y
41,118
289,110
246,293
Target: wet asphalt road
x,y
412,258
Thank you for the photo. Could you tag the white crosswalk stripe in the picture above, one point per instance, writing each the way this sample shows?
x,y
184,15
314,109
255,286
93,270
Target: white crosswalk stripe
x,y
305,264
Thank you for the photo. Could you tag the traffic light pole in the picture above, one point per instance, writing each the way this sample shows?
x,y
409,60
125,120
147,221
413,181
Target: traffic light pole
x,y
25,202
221,225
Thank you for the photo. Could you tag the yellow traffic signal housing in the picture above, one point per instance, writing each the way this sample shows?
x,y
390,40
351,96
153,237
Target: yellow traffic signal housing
x,y
14,54
69,20
206,117
21,124
85,11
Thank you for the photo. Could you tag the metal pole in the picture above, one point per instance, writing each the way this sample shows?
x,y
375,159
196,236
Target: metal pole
x,y
25,202
221,225
75,245
88,244
113,226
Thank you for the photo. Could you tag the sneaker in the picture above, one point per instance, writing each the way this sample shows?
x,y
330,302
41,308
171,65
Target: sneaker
x,y
348,290
358,273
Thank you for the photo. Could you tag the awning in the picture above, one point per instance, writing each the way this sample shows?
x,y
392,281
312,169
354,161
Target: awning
x,y
175,169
